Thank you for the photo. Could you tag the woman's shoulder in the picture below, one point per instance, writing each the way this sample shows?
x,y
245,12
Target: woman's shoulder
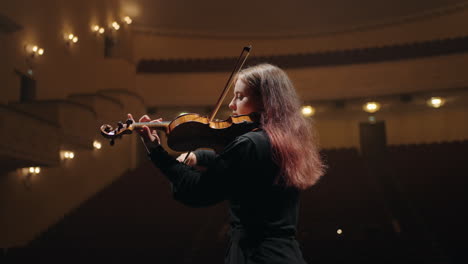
x,y
257,137
251,140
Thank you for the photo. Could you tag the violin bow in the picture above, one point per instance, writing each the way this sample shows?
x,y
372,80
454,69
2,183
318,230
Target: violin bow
x,y
240,62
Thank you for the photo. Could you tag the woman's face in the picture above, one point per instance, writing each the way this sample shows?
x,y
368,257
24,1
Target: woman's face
x,y
243,103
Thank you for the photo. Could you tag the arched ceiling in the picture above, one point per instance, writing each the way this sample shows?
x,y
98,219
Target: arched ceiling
x,y
263,18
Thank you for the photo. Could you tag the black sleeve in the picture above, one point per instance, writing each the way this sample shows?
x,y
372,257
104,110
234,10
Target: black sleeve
x,y
204,157
204,188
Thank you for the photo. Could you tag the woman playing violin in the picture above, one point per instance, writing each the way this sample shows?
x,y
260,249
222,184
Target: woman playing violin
x,y
261,173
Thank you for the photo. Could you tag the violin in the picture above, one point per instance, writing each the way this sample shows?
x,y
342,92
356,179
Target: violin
x,y
191,131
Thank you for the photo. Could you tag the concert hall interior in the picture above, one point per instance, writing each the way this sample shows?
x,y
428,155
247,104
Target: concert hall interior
x,y
385,83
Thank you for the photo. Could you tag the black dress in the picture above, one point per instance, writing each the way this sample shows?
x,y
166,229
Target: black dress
x,y
263,215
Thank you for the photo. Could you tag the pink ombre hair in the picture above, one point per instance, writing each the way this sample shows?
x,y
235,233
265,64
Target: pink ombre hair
x,y
290,133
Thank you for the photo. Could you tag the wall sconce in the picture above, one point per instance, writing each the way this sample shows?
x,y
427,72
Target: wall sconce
x,y
97,144
371,107
127,20
67,155
115,25
33,50
435,102
28,173
98,29
71,39
308,110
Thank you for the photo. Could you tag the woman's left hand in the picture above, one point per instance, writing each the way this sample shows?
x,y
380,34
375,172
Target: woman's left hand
x,y
150,136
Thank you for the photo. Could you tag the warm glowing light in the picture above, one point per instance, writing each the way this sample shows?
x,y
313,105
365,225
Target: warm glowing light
x,y
436,102
34,170
371,107
97,144
115,25
128,20
72,38
67,154
33,50
98,29
339,231
308,110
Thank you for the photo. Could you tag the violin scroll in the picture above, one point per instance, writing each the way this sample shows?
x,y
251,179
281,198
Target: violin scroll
x,y
110,133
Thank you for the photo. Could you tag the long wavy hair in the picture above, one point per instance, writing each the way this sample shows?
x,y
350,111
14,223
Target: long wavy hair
x,y
291,134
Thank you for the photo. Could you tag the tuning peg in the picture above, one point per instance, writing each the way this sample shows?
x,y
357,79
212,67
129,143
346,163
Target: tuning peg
x,y
119,125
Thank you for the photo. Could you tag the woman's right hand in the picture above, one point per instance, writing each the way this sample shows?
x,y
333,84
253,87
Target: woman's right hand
x,y
191,160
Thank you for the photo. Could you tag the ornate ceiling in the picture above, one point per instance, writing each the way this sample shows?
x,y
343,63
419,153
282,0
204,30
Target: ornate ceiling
x,y
270,18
